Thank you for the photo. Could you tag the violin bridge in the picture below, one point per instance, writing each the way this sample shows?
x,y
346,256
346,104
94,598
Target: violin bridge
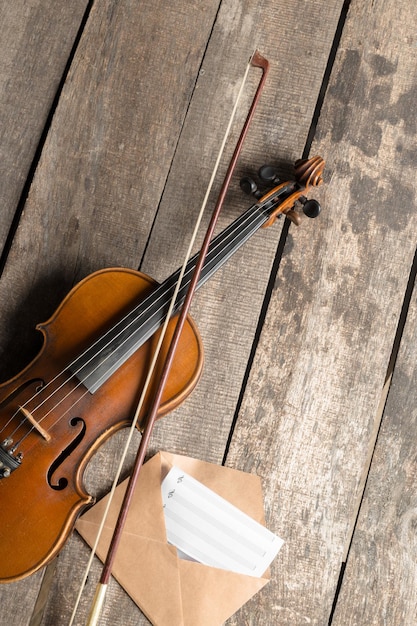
x,y
28,415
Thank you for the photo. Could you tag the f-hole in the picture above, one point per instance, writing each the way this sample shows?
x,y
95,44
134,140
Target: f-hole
x,y
62,482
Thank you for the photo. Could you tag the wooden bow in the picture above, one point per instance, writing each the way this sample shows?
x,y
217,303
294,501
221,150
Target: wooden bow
x,y
259,61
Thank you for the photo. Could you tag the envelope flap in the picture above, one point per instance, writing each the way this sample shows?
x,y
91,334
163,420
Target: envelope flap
x,y
147,570
171,591
145,518
210,596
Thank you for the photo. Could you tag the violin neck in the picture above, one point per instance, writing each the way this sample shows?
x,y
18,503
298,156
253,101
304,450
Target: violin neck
x,y
106,355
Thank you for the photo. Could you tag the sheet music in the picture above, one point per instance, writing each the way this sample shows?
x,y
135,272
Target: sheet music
x,y
210,530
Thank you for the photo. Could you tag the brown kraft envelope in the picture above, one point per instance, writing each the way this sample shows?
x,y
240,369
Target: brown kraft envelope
x,y
172,591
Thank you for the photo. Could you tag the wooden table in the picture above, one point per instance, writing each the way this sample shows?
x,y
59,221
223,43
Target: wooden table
x,y
112,114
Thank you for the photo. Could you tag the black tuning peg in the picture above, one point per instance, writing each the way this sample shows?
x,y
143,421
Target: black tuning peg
x,y
249,186
311,208
268,174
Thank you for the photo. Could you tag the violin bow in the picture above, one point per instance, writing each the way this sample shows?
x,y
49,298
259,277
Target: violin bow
x,y
257,60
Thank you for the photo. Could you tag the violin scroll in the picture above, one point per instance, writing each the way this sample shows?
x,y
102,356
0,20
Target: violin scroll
x,y
308,173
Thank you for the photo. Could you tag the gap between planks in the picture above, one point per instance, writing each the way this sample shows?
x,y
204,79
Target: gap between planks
x,y
379,416
42,139
284,233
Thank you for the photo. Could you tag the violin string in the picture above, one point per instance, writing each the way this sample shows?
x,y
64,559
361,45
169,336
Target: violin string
x,y
251,224
259,211
159,345
63,398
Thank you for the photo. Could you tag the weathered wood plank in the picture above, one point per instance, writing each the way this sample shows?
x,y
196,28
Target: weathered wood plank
x,y
91,139
308,417
111,125
118,120
226,317
379,586
201,426
36,40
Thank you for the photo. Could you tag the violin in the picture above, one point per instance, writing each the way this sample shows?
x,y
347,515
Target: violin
x,y
84,383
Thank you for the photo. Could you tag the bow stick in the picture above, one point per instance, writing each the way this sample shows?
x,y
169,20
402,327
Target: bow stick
x,y
259,61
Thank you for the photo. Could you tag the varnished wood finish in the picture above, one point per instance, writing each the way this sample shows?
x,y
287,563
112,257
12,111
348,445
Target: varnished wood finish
x,y
49,513
308,173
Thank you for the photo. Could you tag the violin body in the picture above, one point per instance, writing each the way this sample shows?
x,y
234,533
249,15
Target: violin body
x,y
61,424
87,380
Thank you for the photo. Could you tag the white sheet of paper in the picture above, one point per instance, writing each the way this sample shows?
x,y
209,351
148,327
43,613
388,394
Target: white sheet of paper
x,y
210,530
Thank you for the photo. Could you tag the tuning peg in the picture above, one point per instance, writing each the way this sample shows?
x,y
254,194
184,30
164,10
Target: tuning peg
x,y
311,208
249,186
268,174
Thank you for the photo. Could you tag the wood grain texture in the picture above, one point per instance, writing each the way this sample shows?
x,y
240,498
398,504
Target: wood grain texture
x,y
201,427
97,140
118,119
111,125
36,39
309,415
122,174
227,319
379,586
